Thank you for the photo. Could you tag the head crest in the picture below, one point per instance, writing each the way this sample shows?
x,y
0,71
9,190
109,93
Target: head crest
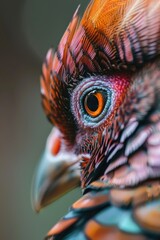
x,y
113,35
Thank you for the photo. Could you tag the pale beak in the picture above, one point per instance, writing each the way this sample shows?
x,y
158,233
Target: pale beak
x,y
55,175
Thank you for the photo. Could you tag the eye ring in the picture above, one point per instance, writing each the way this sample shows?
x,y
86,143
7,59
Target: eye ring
x,y
79,98
94,103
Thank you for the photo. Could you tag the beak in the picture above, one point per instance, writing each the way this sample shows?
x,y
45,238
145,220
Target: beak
x,y
55,175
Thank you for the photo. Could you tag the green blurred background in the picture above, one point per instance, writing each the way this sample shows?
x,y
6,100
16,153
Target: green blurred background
x,y
27,29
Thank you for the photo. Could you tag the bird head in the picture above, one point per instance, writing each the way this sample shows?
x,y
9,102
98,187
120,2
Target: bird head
x,y
101,89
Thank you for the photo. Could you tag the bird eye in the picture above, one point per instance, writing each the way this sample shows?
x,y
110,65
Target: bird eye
x,y
94,103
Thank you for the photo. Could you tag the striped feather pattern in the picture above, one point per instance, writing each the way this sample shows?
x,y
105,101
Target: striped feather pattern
x,y
116,43
103,41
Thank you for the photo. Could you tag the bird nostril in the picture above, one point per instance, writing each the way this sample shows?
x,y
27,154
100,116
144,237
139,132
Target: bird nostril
x,y
56,146
54,142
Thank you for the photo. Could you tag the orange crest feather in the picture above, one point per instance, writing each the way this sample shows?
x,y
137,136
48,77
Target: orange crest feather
x,y
113,35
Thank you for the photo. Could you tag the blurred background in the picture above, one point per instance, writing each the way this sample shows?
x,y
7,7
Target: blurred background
x,y
28,28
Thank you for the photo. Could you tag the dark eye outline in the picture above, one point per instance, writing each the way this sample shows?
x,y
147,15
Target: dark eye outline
x,y
106,106
94,102
88,85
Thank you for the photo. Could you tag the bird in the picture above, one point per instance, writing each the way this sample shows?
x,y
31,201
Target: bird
x,y
101,91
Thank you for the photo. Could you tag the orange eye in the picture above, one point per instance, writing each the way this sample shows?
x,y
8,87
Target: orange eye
x,y
94,103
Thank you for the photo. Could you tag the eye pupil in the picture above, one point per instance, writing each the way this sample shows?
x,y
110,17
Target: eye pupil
x,y
92,102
